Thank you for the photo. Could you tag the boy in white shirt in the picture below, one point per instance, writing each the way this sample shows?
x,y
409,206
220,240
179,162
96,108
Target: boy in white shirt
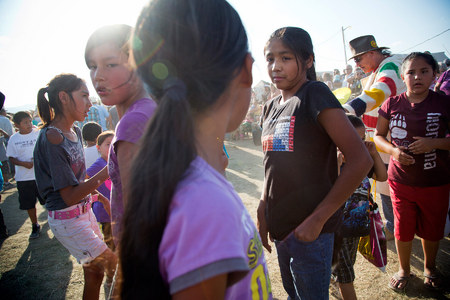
x,y
20,152
90,132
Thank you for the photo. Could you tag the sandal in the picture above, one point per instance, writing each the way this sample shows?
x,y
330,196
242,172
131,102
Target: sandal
x,y
433,281
397,280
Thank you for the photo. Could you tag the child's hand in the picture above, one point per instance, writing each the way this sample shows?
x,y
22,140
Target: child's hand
x,y
403,158
421,145
28,164
371,148
105,202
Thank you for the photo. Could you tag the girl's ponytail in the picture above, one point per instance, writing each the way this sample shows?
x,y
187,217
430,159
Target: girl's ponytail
x,y
51,108
169,144
45,111
187,53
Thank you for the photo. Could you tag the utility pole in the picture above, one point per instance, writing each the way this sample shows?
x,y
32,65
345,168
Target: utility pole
x,y
343,41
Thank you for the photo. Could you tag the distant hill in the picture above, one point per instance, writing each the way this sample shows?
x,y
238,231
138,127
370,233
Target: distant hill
x,y
15,109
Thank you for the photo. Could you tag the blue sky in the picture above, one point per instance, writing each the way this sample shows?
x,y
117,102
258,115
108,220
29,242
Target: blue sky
x,y
42,38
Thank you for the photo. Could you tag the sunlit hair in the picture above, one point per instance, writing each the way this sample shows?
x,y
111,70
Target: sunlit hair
x,y
299,42
187,52
103,136
20,115
428,58
51,108
118,34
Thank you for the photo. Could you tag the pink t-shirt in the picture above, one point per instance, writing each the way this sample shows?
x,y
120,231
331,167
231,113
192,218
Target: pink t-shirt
x,y
129,129
430,118
209,232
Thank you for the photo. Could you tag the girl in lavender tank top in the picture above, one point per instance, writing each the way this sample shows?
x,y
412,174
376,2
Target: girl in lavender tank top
x,y
116,82
186,233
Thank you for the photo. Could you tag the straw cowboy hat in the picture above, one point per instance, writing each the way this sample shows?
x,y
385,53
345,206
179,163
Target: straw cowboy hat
x,y
363,44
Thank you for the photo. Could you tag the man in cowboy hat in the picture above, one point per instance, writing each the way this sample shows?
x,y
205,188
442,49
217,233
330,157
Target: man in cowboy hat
x,y
384,82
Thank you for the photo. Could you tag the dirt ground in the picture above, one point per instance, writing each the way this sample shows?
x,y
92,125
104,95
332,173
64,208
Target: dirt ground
x,y
43,269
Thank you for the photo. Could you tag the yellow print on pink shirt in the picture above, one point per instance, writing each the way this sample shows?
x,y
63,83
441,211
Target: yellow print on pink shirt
x,y
260,282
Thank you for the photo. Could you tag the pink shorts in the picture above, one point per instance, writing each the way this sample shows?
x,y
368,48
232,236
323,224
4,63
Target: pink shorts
x,y
80,235
419,210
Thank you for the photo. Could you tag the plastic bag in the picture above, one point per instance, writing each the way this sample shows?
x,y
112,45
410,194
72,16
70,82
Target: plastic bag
x,y
373,246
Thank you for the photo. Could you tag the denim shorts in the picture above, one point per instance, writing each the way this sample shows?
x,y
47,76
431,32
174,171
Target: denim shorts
x,y
306,266
80,235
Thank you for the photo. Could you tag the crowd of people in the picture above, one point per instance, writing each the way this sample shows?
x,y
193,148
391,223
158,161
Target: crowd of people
x,y
147,203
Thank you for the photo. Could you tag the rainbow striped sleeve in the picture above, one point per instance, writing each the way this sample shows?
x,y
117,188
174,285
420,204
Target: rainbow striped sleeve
x,y
385,85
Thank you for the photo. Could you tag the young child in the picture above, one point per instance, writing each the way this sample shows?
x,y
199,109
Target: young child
x,y
20,152
60,176
343,272
102,216
90,132
418,121
302,196
175,242
107,56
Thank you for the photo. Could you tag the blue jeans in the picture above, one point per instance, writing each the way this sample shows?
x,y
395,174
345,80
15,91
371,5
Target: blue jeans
x,y
306,266
388,212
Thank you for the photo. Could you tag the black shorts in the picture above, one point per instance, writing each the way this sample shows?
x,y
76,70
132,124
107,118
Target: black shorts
x,y
28,193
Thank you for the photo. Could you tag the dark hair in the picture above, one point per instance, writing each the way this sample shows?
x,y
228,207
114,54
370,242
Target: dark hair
x,y
356,121
187,52
447,62
429,59
103,136
442,67
20,115
300,43
2,100
384,52
90,131
48,110
118,34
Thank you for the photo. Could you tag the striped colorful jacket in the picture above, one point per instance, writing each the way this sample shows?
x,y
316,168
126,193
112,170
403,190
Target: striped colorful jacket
x,y
383,83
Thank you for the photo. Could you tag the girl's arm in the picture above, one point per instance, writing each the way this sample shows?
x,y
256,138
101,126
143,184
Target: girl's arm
x,y
73,194
102,199
358,164
211,288
262,223
424,145
380,173
397,152
125,154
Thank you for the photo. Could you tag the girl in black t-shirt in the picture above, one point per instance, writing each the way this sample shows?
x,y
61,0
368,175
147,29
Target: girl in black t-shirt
x,y
302,192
